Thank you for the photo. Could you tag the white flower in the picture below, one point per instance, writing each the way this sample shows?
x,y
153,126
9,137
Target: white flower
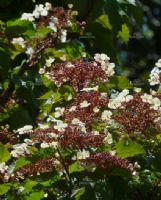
x,y
69,65
110,69
82,155
20,150
136,165
53,26
90,89
147,98
49,61
25,129
39,11
20,41
29,51
48,6
44,145
70,5
21,189
96,132
83,54
60,125
28,141
3,167
108,139
59,112
96,109
41,71
101,57
52,135
27,16
63,35
80,124
47,145
158,64
45,195
54,20
135,173
84,104
154,101
106,115
155,74
117,99
113,152
73,108
137,89
43,126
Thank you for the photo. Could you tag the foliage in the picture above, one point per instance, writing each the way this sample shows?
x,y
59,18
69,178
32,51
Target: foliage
x,y
72,126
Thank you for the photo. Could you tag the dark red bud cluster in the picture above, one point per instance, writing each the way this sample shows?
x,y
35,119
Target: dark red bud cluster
x,y
106,161
136,116
85,114
41,166
79,76
72,138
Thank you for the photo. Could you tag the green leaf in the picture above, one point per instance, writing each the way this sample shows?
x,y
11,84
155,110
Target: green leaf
x,y
4,153
53,52
80,193
104,21
124,34
18,26
127,148
119,82
4,188
47,95
21,162
28,187
36,195
39,33
75,168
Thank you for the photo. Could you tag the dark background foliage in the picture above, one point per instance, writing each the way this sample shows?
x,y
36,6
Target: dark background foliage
x,y
135,58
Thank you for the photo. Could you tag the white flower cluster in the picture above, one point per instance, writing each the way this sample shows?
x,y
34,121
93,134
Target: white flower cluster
x,y
155,75
108,139
84,104
90,89
117,101
53,23
3,167
153,101
59,124
25,129
47,145
59,112
63,35
108,67
19,41
81,155
20,150
4,171
39,11
80,124
49,61
106,115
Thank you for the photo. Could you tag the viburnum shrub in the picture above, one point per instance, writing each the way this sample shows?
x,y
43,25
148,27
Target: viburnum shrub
x,y
70,127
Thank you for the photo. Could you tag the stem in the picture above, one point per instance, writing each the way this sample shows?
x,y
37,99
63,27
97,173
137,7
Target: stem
x,y
65,168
